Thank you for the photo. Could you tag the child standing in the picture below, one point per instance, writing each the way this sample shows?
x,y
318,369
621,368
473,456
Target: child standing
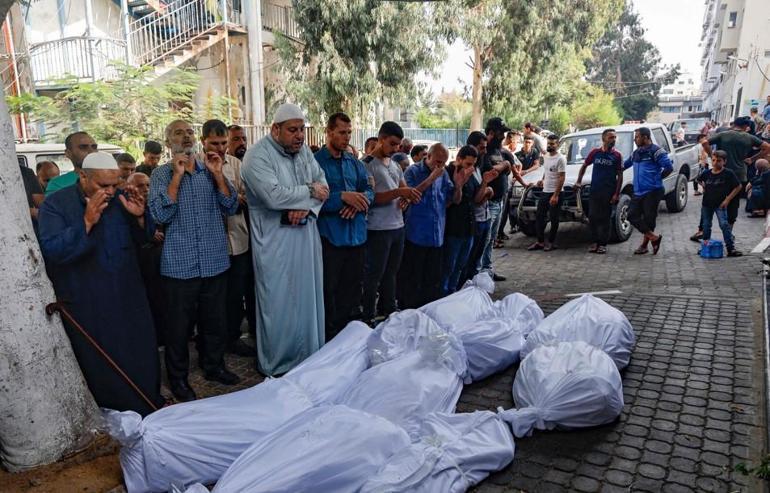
x,y
720,187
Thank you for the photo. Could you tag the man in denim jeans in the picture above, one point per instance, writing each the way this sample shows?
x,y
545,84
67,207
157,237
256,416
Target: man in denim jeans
x,y
721,186
502,162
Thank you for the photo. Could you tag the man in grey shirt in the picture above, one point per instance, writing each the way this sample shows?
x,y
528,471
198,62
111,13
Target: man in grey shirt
x,y
385,229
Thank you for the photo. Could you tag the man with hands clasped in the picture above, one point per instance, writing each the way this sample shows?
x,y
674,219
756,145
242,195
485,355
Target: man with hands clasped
x,y
385,228
342,224
419,279
190,196
285,189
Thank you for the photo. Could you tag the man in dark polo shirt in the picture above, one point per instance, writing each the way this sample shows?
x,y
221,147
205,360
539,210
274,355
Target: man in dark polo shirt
x,y
529,156
152,154
606,181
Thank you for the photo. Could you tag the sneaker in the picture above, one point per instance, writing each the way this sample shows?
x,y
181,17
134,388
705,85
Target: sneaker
x,y
735,253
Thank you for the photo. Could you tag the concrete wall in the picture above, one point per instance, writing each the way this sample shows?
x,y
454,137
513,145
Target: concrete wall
x,y
43,20
731,35
736,57
213,71
754,42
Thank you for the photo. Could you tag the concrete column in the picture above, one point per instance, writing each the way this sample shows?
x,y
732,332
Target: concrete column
x,y
124,12
253,14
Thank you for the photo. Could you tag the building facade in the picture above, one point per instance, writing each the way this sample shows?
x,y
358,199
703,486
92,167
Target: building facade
x,y
681,99
229,43
736,57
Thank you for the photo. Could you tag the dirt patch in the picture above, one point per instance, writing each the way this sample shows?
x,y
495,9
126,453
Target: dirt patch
x,y
95,469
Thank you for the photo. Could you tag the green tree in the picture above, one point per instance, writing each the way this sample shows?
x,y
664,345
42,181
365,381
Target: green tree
x,y
559,120
526,54
353,53
125,111
450,111
628,66
597,110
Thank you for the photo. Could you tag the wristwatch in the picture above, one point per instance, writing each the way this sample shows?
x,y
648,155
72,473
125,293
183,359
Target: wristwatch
x,y
311,190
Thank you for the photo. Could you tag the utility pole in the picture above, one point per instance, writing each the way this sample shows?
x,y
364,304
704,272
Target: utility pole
x,y
228,91
253,11
126,14
89,40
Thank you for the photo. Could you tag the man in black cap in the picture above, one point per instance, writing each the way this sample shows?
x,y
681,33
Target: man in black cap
x,y
739,145
494,158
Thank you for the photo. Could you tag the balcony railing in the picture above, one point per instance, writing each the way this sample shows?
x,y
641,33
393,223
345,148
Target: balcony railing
x,y
280,19
81,57
154,37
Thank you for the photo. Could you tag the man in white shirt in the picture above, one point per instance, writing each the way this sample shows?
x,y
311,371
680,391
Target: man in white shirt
x,y
550,199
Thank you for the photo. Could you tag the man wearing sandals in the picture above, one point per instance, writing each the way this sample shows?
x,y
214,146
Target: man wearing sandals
x,y
606,181
651,164
550,200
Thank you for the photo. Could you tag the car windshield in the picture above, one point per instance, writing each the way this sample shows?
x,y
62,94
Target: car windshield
x,y
577,147
693,125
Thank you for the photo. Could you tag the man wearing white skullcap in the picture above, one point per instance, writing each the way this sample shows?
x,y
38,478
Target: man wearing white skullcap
x,y
285,189
89,243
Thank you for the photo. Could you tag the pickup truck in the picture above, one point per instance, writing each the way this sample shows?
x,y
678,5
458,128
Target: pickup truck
x,y
691,132
576,147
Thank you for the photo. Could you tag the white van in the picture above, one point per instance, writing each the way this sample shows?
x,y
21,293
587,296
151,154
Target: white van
x,y
31,154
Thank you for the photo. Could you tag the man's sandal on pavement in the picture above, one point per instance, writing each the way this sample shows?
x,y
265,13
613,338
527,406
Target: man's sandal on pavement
x,y
656,244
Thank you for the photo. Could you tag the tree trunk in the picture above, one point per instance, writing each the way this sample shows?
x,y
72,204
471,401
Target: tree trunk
x,y
46,410
478,69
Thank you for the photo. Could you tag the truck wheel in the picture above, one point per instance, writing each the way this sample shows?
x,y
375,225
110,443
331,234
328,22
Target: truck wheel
x,y
526,227
677,199
620,229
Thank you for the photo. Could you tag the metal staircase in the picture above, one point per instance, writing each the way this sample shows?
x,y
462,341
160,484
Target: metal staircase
x,y
183,29
141,8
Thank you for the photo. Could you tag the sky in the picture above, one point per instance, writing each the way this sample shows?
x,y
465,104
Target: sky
x,y
673,26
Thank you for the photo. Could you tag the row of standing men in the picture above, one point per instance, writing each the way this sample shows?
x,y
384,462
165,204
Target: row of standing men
x,y
318,240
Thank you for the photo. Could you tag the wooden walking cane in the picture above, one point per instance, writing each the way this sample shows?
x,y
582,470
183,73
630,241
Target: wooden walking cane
x,y
58,307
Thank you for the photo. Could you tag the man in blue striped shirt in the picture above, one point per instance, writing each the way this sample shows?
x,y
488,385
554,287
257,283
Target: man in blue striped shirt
x,y
192,197
342,224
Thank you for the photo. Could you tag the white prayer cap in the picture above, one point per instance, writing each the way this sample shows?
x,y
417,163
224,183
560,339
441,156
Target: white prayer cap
x,y
100,160
288,111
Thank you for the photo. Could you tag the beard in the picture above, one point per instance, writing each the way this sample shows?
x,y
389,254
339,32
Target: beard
x,y
495,143
183,149
240,152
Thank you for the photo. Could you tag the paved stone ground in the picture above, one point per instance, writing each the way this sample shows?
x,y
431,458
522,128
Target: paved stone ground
x,y
693,391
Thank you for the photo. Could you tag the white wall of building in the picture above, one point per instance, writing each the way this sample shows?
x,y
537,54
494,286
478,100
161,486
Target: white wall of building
x,y
43,20
736,52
